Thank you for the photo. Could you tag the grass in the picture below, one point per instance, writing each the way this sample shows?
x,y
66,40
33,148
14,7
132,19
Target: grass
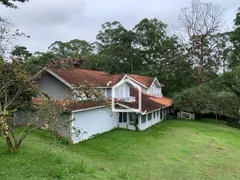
x,y
172,149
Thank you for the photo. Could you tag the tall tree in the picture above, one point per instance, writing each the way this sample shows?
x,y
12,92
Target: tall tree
x,y
199,22
20,53
73,49
38,61
10,3
152,41
235,39
117,45
163,56
220,51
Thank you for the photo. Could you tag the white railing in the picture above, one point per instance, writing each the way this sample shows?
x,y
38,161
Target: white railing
x,y
130,99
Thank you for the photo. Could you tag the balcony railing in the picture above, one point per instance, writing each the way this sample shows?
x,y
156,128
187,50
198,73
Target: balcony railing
x,y
129,99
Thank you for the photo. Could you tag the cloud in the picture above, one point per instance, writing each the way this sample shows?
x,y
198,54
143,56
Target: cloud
x,y
47,21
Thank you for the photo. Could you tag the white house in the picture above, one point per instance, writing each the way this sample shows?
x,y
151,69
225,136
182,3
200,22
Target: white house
x,y
137,101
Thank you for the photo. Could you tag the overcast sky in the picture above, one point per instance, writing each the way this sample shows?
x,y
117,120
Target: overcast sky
x,y
49,20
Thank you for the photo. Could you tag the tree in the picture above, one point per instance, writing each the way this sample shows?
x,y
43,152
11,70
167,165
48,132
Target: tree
x,y
38,61
224,103
152,40
73,49
195,100
235,39
163,56
232,80
16,91
7,35
10,3
199,22
20,53
116,44
220,51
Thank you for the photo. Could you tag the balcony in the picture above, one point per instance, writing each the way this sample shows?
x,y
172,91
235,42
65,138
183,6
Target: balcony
x,y
129,99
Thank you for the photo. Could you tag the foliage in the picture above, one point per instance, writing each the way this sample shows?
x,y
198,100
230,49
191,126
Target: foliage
x,y
115,43
232,80
20,53
73,49
10,3
16,91
218,97
195,100
235,39
38,61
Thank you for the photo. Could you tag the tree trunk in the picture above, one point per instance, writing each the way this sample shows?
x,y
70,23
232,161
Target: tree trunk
x,y
8,140
238,115
201,64
197,116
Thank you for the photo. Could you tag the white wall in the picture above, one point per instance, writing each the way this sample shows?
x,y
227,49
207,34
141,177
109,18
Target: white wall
x,y
94,122
126,90
154,90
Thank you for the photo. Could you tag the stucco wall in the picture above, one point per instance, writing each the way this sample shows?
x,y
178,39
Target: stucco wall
x,y
93,122
55,88
126,90
154,90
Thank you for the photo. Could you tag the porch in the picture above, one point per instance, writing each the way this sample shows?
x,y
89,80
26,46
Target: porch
x,y
128,120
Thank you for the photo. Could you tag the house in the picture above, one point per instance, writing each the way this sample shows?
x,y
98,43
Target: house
x,y
137,101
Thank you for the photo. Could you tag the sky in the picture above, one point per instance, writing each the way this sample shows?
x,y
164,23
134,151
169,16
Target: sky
x,y
47,21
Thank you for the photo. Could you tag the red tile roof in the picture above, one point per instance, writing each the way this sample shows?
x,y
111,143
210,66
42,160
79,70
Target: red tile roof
x,y
77,76
149,103
83,76
145,80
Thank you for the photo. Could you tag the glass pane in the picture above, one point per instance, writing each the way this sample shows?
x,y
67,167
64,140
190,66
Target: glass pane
x,y
124,117
120,117
143,118
149,116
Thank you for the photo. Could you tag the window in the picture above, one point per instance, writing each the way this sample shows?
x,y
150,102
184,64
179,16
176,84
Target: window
x,y
157,113
125,117
131,117
154,115
109,93
149,116
121,94
160,114
120,117
143,118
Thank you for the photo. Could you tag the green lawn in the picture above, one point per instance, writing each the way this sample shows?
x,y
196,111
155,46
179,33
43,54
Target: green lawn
x,y
172,149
